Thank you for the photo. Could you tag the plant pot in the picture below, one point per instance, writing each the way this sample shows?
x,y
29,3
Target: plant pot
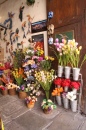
x,y
22,95
74,91
74,105
76,72
47,111
58,99
30,105
4,92
66,89
12,91
67,72
65,102
60,71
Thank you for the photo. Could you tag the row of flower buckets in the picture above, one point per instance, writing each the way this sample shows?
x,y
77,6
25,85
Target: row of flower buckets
x,y
67,103
67,72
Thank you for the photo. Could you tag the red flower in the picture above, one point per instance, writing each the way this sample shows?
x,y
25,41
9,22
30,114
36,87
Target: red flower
x,y
75,85
66,82
57,81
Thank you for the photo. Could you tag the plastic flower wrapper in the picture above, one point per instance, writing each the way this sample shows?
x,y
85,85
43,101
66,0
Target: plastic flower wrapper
x,y
71,95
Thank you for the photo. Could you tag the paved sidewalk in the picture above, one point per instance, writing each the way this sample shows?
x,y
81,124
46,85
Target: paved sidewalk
x,y
16,116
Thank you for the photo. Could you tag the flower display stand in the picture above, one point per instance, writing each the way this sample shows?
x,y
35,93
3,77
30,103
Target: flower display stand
x,y
74,106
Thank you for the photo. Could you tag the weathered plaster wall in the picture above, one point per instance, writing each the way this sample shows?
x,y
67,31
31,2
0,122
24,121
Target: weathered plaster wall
x,y
38,11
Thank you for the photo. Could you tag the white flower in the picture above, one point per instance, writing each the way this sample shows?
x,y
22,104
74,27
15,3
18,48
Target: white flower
x,y
71,96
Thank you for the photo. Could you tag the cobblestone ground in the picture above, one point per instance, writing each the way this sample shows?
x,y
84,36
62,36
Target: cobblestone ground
x,y
16,116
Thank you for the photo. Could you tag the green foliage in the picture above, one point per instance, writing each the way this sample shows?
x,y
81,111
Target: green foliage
x,y
30,2
18,58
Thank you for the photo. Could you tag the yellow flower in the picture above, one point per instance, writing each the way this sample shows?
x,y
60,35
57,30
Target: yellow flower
x,y
80,47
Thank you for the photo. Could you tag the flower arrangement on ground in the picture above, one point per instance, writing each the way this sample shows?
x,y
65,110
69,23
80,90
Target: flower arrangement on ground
x,y
33,92
47,106
45,79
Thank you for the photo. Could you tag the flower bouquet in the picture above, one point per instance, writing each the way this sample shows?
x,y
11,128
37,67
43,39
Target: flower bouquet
x,y
66,84
57,92
58,82
47,106
75,85
45,79
46,63
72,96
19,76
30,101
4,90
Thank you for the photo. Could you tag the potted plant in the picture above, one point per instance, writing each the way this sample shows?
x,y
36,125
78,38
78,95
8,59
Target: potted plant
x,y
75,58
19,78
66,84
57,92
45,79
30,101
33,92
4,90
72,96
47,106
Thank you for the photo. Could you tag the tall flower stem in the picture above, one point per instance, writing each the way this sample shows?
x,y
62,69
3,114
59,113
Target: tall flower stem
x,y
47,94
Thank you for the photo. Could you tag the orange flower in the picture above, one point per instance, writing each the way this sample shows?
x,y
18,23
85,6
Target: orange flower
x,y
57,91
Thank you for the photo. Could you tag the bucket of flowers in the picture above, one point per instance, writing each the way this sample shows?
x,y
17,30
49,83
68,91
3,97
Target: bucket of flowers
x,y
33,92
4,90
66,84
47,106
19,78
30,101
45,79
